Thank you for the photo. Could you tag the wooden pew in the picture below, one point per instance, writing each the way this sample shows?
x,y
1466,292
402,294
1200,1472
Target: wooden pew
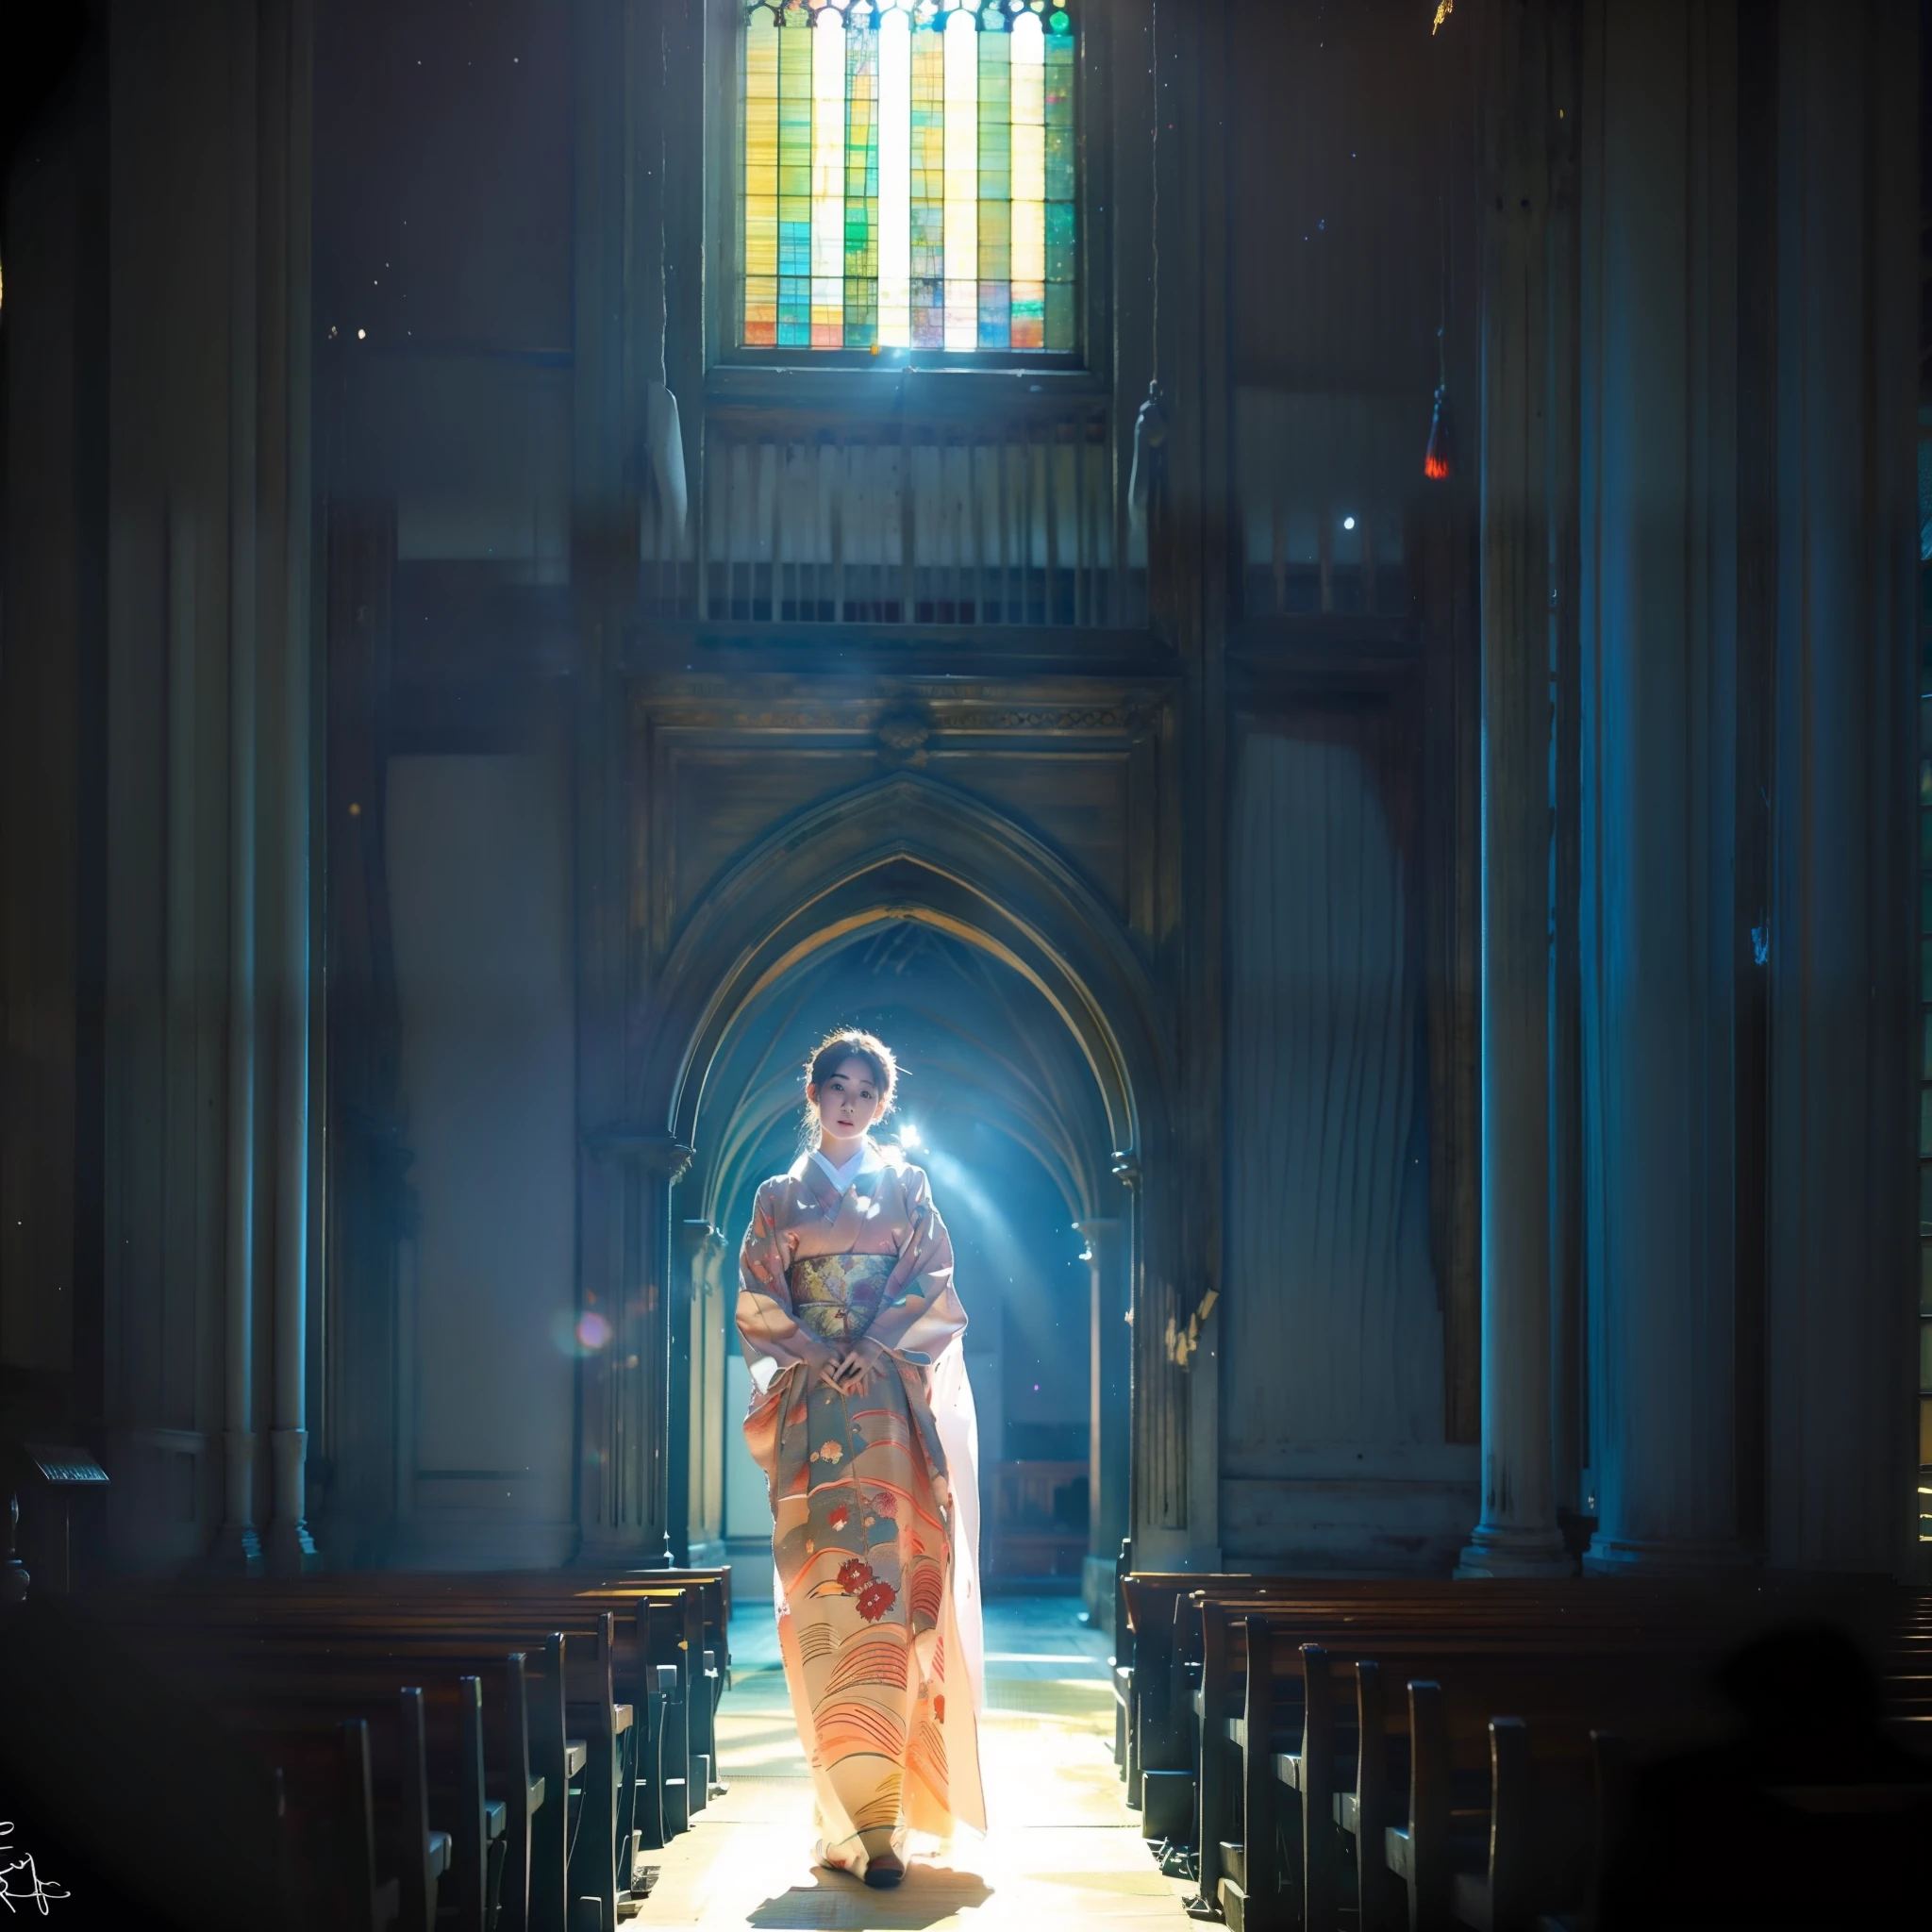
x,y
1635,1649
693,1635
1549,1797
1154,1716
1494,1859
325,1788
1362,1814
703,1643
1163,1613
603,1838
573,1722
263,1654
372,1902
1500,1854
1152,1720
482,1795
1351,1618
1448,1793
361,1783
666,1663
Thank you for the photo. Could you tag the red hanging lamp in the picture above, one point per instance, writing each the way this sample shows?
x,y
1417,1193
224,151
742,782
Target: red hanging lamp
x,y
1437,458
1436,462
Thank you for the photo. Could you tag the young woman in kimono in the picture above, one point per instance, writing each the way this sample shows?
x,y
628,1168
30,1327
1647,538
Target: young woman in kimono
x,y
861,1419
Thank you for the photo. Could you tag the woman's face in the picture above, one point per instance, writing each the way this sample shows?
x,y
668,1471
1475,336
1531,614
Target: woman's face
x,y
848,1101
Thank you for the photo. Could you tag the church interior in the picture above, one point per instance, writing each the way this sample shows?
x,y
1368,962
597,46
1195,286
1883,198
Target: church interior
x,y
1321,610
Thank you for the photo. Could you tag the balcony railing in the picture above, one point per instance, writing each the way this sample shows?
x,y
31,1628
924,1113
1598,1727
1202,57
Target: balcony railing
x,y
902,521
1320,482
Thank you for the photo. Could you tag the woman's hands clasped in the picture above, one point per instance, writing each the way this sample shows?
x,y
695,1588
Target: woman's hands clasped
x,y
849,1372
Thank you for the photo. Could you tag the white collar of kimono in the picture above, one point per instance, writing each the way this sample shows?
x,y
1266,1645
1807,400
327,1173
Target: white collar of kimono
x,y
843,1178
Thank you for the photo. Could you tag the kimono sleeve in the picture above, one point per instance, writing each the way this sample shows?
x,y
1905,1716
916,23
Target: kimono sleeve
x,y
767,1324
922,1314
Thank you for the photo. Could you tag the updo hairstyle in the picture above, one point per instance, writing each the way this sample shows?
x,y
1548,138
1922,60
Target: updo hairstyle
x,y
849,1043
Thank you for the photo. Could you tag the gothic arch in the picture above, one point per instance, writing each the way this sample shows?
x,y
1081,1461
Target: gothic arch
x,y
969,1025
903,847
907,847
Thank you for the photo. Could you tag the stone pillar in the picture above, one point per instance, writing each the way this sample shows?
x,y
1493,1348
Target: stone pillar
x,y
1108,1447
237,1545
1840,1347
702,1255
625,1334
1178,1237
237,1548
209,716
1659,784
287,33
1517,1534
693,1430
624,1202
1159,1467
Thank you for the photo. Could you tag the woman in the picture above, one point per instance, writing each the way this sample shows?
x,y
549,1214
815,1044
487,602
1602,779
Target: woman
x,y
862,1421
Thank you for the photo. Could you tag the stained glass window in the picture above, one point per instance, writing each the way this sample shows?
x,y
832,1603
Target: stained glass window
x,y
908,175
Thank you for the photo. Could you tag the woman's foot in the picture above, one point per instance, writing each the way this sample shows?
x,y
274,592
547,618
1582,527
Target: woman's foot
x,y
884,1871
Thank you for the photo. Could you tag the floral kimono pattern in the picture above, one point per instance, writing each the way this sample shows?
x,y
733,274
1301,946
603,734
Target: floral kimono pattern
x,y
867,1531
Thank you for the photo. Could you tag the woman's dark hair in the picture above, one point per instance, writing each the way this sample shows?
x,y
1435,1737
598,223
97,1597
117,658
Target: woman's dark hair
x,y
831,1054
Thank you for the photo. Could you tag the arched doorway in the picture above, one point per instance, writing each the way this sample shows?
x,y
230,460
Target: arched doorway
x,y
903,868
1000,1108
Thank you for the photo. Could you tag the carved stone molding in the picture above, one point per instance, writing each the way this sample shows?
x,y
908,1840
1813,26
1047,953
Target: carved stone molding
x,y
902,733
891,717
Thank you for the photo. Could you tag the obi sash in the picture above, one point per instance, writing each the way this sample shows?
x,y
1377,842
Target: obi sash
x,y
836,1296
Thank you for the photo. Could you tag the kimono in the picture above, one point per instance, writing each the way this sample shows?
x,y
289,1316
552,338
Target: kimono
x,y
875,1501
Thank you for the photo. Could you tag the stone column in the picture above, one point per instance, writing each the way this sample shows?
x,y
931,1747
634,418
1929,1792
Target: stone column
x,y
1840,1351
624,1333
238,1548
693,1430
209,716
1107,1438
287,33
1517,1534
1158,1467
1659,784
702,1255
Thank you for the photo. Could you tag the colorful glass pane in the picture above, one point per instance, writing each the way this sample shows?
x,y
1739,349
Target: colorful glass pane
x,y
829,183
1059,184
1028,152
962,182
908,175
928,192
896,180
861,186
795,179
760,109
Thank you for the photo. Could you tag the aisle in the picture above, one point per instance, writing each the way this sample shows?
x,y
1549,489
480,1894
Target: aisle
x,y
1063,1850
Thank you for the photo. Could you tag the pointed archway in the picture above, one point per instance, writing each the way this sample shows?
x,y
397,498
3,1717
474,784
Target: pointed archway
x,y
905,847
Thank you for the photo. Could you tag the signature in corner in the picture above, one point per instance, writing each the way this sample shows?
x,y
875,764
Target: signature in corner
x,y
34,1890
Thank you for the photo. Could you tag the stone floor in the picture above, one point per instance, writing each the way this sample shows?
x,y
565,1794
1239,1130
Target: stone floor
x,y
1061,1851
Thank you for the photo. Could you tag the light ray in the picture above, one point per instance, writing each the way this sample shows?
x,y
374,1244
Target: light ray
x,y
896,180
